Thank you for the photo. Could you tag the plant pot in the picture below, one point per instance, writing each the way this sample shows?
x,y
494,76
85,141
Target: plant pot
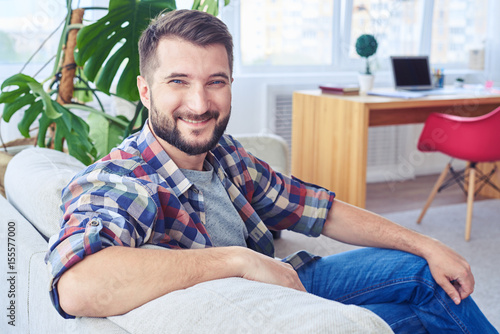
x,y
365,82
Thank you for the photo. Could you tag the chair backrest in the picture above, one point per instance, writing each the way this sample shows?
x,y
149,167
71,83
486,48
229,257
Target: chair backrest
x,y
474,139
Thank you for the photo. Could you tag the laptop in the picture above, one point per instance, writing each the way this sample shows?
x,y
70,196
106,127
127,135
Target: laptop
x,y
412,73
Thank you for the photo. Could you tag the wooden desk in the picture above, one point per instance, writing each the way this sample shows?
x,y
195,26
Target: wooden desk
x,y
330,132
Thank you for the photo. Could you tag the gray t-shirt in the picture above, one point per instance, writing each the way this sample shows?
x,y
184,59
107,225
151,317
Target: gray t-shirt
x,y
223,223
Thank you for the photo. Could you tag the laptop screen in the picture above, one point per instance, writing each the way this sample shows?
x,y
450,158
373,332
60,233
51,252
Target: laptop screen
x,y
411,73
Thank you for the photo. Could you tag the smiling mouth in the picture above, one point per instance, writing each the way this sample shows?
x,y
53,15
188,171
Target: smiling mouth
x,y
192,121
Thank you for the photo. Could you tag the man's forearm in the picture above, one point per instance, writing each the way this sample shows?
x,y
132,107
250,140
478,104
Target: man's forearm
x,y
356,226
117,279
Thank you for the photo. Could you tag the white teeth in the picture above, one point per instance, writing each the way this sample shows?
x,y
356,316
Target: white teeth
x,y
192,121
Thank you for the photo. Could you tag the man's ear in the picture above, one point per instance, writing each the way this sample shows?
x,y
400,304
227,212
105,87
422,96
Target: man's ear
x,y
143,88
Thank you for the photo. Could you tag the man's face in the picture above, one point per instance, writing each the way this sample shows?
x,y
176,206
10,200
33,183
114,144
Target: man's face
x,y
189,95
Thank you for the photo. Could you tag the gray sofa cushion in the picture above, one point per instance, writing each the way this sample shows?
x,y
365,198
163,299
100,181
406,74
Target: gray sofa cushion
x,y
237,305
34,180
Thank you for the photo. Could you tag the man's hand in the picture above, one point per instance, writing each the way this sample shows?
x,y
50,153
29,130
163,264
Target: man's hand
x,y
352,225
257,267
451,271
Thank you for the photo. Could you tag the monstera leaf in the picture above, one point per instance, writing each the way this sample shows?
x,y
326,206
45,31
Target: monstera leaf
x,y
104,46
72,129
36,103
209,6
29,93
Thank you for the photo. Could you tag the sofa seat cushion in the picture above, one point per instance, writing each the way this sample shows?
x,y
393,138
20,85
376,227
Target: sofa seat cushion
x,y
33,183
237,305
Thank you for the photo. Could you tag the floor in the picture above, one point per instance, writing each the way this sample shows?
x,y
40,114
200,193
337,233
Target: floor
x,y
412,194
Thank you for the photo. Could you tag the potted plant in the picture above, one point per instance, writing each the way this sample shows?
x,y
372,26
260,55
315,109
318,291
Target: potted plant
x,y
366,46
89,59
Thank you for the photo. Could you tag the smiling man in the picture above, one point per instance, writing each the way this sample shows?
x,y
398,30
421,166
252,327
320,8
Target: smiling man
x,y
193,88
181,203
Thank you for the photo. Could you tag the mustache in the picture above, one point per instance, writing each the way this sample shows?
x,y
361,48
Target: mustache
x,y
196,117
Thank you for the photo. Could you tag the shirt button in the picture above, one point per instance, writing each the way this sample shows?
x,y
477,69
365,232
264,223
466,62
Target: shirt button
x,y
94,223
196,191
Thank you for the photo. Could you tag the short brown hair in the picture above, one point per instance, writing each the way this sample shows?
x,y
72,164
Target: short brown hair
x,y
194,26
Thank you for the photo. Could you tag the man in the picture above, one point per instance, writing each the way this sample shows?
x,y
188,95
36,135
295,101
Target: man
x,y
183,185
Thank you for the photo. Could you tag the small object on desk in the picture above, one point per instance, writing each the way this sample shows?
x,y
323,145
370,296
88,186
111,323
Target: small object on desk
x,y
438,78
459,83
347,89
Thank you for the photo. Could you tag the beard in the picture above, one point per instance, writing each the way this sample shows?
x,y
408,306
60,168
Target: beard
x,y
166,129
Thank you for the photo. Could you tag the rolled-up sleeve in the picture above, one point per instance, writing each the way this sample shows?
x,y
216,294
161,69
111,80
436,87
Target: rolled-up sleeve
x,y
100,210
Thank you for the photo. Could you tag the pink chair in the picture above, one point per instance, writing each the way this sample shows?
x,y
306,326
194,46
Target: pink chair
x,y
474,139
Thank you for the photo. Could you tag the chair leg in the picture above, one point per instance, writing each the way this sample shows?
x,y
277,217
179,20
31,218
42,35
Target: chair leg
x,y
470,202
434,192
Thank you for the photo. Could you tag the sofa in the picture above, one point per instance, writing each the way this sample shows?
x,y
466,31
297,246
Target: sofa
x,y
29,216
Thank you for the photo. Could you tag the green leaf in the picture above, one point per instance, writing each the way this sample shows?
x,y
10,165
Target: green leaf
x,y
105,134
37,89
70,129
11,108
17,80
209,6
30,115
29,94
104,46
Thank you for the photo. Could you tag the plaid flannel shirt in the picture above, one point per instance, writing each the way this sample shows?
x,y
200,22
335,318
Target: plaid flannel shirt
x,y
136,195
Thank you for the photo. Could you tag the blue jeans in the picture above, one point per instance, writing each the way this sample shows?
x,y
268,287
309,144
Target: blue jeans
x,y
395,285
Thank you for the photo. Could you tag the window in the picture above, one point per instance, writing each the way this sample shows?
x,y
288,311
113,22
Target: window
x,y
459,29
316,35
286,33
395,24
24,25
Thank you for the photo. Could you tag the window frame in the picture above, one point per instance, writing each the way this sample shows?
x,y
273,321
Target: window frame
x,y
340,62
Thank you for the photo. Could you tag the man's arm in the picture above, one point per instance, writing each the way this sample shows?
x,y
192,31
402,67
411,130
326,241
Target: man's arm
x,y
118,279
352,225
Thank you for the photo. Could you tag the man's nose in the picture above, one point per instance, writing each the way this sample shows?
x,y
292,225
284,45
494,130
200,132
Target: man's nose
x,y
198,100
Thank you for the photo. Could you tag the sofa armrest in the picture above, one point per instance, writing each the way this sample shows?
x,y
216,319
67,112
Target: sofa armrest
x,y
33,183
32,310
21,242
237,305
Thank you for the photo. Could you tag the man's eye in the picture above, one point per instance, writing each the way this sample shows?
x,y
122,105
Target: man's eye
x,y
177,81
218,82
